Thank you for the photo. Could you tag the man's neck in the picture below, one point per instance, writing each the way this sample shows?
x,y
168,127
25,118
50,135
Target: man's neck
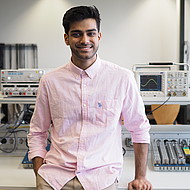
x,y
83,64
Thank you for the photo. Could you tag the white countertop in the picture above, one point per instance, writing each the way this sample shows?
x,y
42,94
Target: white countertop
x,y
159,180
13,175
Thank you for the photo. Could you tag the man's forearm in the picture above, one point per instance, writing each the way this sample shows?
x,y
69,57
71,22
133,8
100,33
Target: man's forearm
x,y
37,162
141,156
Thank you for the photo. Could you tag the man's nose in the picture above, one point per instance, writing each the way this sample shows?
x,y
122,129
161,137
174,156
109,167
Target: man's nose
x,y
84,39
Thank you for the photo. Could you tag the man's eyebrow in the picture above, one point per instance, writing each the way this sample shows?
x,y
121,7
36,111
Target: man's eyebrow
x,y
89,30
72,31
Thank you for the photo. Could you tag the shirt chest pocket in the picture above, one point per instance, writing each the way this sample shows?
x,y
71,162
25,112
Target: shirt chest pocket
x,y
104,112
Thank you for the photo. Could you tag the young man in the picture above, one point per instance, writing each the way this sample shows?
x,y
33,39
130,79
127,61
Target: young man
x,y
82,103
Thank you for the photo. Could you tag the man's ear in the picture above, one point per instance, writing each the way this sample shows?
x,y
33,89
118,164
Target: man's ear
x,y
66,37
99,36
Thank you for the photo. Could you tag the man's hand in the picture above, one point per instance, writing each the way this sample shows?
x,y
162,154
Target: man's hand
x,y
139,184
37,162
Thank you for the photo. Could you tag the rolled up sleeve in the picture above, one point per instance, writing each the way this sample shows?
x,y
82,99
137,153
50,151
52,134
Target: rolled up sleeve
x,y
133,112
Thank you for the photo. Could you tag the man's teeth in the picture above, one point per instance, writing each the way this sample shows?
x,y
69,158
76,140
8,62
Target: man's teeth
x,y
85,47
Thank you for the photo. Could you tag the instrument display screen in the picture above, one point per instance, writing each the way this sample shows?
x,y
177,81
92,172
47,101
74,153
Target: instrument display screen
x,y
151,83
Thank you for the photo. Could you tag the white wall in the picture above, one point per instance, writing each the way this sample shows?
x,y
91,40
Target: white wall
x,y
134,31
187,20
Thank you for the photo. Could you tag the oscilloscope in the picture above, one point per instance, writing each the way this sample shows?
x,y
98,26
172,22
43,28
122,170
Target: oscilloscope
x,y
162,83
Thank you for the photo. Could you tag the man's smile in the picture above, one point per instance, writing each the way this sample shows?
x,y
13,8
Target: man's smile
x,y
85,47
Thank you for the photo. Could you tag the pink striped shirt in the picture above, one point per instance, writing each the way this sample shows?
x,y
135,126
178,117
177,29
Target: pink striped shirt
x,y
83,109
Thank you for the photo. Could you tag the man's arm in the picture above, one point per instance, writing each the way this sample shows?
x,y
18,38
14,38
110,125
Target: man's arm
x,y
37,162
141,154
39,126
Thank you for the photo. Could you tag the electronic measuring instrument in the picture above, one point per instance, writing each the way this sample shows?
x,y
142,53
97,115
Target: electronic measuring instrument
x,y
161,80
21,82
171,154
163,83
169,148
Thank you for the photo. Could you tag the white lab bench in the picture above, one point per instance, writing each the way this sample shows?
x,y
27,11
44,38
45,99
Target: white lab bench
x,y
13,176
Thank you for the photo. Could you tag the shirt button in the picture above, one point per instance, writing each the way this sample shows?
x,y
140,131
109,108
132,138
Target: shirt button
x,y
84,105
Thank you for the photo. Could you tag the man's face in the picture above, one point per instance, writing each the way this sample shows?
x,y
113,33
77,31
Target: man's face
x,y
83,38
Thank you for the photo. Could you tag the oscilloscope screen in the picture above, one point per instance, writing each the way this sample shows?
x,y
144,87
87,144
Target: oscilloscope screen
x,y
150,83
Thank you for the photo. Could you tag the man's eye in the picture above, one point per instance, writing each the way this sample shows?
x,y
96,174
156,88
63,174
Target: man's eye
x,y
91,34
76,35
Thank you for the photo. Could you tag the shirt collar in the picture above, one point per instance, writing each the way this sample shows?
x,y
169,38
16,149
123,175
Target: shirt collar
x,y
91,71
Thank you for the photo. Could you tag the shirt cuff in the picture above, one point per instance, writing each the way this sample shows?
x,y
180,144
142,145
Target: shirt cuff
x,y
33,154
145,138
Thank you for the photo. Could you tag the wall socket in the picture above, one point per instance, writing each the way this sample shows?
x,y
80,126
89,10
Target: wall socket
x,y
16,142
7,140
